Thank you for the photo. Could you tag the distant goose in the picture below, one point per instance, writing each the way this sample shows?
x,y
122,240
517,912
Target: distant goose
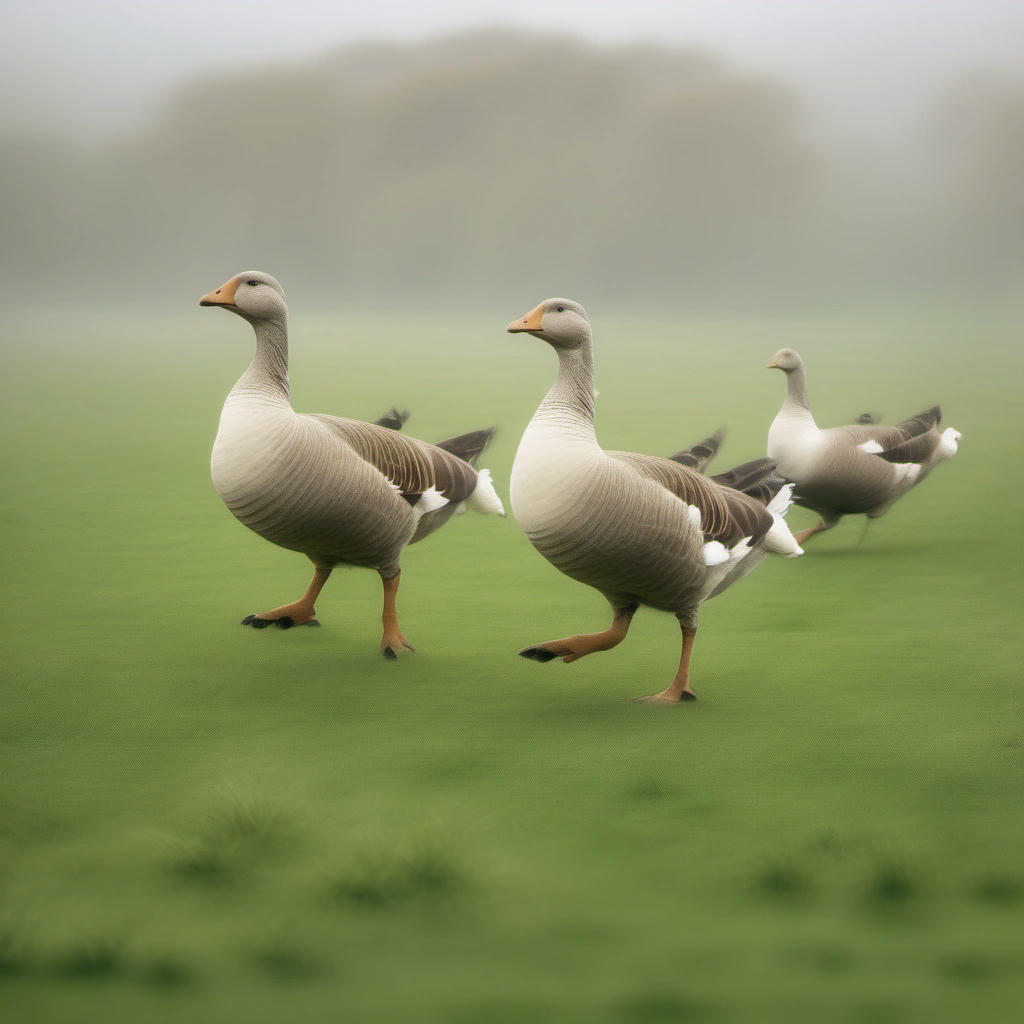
x,y
860,468
341,491
640,529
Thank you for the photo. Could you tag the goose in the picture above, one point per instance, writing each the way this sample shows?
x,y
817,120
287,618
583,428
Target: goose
x,y
639,529
864,467
340,491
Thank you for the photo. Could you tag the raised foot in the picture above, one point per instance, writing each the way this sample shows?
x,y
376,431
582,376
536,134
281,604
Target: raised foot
x,y
666,698
569,650
538,653
392,644
282,622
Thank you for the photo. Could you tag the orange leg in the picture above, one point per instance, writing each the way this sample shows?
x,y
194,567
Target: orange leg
x,y
392,641
571,648
801,536
298,613
679,689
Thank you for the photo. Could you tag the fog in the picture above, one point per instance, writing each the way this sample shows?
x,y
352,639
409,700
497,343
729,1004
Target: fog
x,y
706,156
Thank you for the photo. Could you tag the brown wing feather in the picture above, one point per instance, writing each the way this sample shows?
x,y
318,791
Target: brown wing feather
x,y
699,455
413,466
921,423
756,478
726,514
917,449
746,474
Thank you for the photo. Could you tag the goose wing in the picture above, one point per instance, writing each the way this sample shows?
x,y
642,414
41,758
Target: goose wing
x,y
699,455
917,449
756,478
914,439
726,515
921,423
413,466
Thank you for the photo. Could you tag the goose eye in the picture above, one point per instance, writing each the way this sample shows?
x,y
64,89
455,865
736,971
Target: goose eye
x,y
561,309
252,284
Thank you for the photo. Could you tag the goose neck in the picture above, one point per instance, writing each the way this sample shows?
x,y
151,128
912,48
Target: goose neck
x,y
267,375
571,398
796,391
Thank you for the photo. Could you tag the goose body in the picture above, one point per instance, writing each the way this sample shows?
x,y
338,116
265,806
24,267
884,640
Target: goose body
x,y
340,491
640,529
861,468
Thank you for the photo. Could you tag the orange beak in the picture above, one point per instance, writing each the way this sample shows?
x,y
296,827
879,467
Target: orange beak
x,y
530,322
223,296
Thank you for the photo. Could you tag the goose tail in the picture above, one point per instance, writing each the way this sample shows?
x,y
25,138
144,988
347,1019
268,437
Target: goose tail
x,y
949,444
484,497
779,538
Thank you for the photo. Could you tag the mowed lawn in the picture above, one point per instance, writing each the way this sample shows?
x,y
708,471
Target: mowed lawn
x,y
202,822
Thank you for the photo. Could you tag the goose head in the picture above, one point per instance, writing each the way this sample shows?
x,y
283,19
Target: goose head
x,y
787,360
253,295
562,323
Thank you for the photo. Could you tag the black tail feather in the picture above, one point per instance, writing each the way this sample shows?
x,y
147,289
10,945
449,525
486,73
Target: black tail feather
x,y
393,419
468,447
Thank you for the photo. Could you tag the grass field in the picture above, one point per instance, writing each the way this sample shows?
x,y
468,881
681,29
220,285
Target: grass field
x,y
205,823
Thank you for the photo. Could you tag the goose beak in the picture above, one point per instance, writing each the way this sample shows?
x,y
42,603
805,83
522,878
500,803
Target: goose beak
x,y
223,296
772,365
531,322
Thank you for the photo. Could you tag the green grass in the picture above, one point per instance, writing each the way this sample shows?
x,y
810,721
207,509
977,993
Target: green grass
x,y
208,823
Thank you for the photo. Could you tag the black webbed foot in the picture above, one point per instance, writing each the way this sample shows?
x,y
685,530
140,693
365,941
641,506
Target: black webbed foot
x,y
541,654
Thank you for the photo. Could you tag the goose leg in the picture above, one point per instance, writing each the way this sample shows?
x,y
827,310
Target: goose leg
x,y
571,648
298,613
679,689
823,524
392,641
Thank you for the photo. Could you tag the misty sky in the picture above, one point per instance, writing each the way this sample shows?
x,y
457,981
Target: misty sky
x,y
98,66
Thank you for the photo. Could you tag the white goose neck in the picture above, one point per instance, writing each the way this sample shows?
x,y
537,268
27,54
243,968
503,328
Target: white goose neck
x,y
796,392
571,398
267,375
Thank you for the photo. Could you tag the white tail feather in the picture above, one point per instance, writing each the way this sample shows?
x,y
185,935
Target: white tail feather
x,y
780,538
779,505
949,443
740,550
430,501
484,497
715,553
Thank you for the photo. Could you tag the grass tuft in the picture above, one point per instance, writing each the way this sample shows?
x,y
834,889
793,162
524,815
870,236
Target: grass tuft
x,y
647,787
998,889
231,840
892,885
90,960
14,956
166,972
664,1007
968,968
285,962
782,880
379,879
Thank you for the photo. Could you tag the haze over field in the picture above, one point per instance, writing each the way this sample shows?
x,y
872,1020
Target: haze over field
x,y
462,169
282,825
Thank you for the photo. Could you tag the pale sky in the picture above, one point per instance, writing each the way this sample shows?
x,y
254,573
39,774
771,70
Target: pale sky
x,y
98,66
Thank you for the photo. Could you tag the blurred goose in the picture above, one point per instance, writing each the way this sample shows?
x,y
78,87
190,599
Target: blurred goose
x,y
640,529
341,491
861,468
